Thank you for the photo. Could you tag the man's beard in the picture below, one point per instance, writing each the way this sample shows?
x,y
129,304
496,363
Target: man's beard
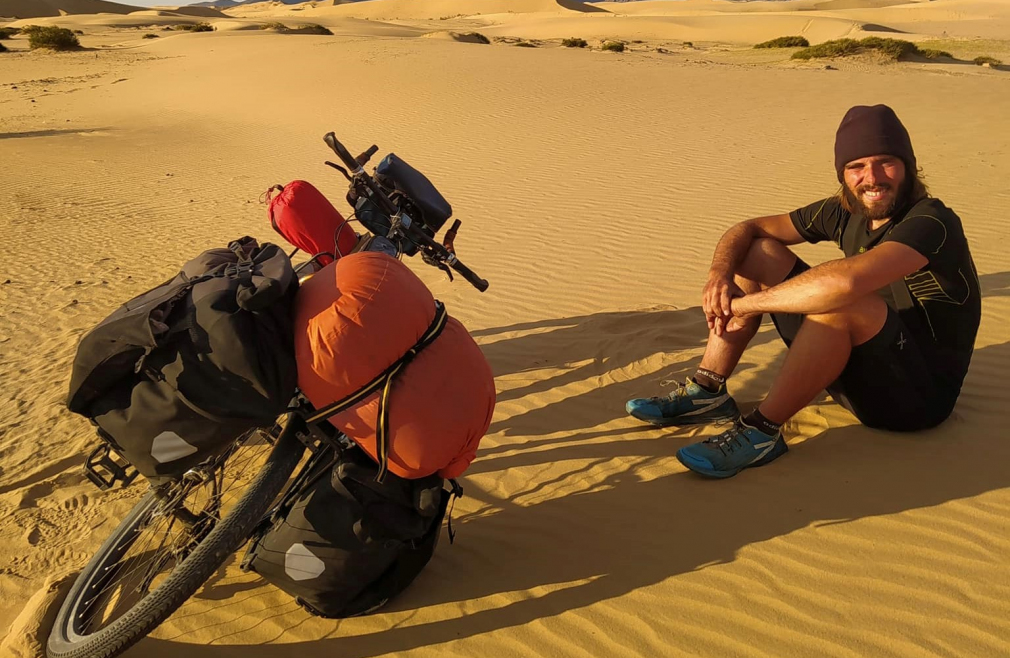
x,y
880,211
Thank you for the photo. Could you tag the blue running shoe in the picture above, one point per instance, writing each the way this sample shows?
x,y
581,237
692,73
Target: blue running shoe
x,y
739,447
690,404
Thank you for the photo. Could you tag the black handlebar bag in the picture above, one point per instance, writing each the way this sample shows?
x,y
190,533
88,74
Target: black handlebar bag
x,y
411,191
177,373
344,544
395,174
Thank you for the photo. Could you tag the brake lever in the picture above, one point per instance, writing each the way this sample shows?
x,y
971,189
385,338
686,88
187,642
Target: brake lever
x,y
347,175
431,258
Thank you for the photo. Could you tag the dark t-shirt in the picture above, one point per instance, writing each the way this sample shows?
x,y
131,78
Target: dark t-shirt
x,y
946,300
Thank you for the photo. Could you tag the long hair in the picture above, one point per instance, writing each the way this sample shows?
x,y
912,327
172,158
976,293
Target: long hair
x,y
914,189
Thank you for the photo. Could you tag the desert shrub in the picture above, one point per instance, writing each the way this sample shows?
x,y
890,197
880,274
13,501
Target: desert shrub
x,y
301,29
574,42
785,42
835,48
477,36
8,32
933,53
891,48
79,32
150,36
312,29
613,46
688,44
50,36
985,59
525,44
194,27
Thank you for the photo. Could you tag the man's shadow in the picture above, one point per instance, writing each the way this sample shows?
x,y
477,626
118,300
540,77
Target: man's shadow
x,y
624,521
995,285
581,365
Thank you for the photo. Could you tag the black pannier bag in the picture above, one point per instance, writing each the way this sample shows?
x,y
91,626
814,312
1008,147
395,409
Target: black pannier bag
x,y
343,544
177,373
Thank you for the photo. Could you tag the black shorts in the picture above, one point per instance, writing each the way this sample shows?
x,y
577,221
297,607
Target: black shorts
x,y
889,381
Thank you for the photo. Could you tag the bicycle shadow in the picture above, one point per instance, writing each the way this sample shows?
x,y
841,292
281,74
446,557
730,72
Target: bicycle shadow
x,y
627,529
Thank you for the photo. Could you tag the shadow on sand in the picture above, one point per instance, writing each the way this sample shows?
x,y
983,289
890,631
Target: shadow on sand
x,y
52,133
633,531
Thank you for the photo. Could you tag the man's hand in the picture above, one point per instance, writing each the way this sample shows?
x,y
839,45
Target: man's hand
x,y
716,300
720,290
741,312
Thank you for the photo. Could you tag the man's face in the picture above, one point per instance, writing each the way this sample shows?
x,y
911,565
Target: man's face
x,y
875,185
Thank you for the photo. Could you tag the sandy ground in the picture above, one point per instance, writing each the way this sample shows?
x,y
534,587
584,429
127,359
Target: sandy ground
x,y
592,188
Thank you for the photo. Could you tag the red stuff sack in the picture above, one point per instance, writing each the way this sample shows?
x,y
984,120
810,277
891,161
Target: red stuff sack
x,y
309,221
356,318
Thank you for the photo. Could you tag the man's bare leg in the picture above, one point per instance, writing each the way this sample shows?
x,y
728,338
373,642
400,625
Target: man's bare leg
x,y
819,353
816,357
767,264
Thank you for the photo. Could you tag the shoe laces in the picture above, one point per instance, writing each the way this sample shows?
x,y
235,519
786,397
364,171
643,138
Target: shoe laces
x,y
680,391
729,440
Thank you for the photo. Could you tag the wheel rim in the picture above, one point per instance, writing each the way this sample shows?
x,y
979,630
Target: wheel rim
x,y
177,517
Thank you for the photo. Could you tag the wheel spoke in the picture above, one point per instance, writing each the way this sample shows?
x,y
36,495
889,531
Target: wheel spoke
x,y
186,512
134,582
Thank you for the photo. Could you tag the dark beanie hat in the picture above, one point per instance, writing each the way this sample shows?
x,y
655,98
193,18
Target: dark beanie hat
x,y
867,131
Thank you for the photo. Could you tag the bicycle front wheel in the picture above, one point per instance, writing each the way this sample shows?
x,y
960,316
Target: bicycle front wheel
x,y
169,544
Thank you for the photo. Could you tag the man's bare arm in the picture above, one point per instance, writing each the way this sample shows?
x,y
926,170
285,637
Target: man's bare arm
x,y
730,253
834,284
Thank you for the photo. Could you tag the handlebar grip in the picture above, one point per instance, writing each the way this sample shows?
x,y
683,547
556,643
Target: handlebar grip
x,y
468,274
367,155
341,151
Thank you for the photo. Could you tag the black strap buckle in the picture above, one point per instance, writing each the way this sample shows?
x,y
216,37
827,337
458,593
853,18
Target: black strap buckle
x,y
104,469
456,491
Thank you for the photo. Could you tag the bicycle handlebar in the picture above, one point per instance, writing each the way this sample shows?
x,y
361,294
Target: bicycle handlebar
x,y
471,276
342,153
363,158
355,165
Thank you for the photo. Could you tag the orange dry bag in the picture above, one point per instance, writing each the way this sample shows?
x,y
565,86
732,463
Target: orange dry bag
x,y
309,221
355,320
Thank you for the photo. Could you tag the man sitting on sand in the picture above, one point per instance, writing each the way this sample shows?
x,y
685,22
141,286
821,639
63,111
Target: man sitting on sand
x,y
888,330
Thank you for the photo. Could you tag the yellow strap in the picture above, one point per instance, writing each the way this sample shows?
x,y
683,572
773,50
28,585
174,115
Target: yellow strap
x,y
385,382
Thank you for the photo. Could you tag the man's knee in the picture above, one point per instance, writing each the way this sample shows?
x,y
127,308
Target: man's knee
x,y
863,318
768,262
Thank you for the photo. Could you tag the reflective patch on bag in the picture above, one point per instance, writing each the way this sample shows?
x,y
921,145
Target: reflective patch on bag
x,y
301,564
169,446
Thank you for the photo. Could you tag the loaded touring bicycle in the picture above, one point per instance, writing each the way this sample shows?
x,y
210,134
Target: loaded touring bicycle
x,y
207,500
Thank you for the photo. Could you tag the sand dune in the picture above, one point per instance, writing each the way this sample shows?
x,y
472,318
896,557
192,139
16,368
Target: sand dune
x,y
592,187
50,8
38,8
200,12
436,9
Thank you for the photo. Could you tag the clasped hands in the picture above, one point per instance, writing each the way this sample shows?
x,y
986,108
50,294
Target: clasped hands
x,y
722,302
